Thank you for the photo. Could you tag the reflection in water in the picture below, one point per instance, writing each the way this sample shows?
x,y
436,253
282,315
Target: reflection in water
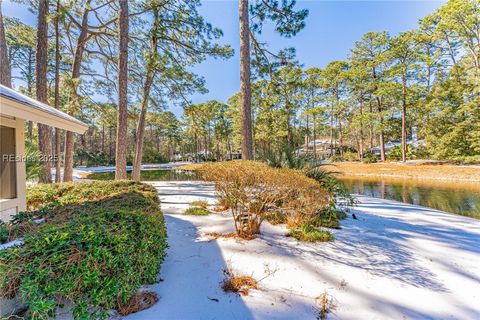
x,y
459,198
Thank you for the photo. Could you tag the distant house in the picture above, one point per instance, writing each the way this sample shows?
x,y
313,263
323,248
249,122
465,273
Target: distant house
x,y
234,155
388,146
15,109
412,142
323,148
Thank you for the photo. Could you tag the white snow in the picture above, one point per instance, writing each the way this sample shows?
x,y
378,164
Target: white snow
x,y
397,261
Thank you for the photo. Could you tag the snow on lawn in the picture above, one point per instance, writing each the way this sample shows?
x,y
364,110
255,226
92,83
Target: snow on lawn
x,y
397,261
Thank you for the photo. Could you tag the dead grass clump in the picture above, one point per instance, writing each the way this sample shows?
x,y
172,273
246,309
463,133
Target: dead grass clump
x,y
325,305
200,204
140,301
239,284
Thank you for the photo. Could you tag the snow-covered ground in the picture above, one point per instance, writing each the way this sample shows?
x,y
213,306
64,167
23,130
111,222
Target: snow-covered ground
x,y
397,261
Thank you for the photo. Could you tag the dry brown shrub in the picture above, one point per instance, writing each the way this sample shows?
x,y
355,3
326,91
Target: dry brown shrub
x,y
252,189
191,166
140,301
222,205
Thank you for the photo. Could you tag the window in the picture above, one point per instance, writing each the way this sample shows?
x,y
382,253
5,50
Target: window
x,y
8,172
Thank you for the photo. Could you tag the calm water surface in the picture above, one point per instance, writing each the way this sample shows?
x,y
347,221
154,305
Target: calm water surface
x,y
150,175
454,197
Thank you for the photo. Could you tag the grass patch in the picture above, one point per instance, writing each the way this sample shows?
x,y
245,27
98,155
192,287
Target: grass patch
x,y
418,172
308,233
100,242
196,211
200,204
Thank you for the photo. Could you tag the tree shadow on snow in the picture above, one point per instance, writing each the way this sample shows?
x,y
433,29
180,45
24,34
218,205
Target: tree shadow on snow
x,y
190,280
385,247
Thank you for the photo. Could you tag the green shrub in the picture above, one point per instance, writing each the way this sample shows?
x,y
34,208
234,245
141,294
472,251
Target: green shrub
x,y
197,211
4,233
467,159
100,242
369,157
310,234
46,195
395,153
350,156
151,155
85,157
412,153
33,165
286,157
341,200
200,204
329,218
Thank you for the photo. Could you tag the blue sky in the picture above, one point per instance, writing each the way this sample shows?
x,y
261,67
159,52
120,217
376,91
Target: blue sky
x,y
332,28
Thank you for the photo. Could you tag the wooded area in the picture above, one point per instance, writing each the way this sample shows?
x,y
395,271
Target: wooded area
x,y
420,85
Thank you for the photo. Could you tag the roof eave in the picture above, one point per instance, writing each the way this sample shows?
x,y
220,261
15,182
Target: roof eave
x,y
16,109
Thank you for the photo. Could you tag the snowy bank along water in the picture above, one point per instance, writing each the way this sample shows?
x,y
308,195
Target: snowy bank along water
x,y
396,261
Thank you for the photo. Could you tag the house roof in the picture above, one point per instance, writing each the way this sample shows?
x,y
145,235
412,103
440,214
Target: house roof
x,y
15,104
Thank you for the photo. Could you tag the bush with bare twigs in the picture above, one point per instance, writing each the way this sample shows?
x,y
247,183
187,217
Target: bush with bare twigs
x,y
251,190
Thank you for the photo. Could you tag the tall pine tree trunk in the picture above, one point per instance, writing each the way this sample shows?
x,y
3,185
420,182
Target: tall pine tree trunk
x,y
383,156
332,121
121,149
245,88
307,136
361,151
5,70
314,137
404,117
57,93
44,134
110,144
137,163
77,61
30,79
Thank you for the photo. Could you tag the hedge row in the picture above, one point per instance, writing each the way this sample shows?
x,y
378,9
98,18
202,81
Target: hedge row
x,y
99,243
